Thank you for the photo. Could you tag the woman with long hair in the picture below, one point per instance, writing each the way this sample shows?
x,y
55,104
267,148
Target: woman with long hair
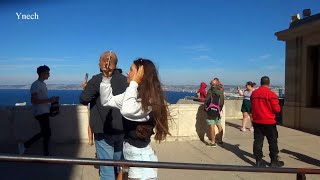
x,y
144,108
246,105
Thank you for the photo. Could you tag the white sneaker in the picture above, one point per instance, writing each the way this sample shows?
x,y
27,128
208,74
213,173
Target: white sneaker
x,y
21,148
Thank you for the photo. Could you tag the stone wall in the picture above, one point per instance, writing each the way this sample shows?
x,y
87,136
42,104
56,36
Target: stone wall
x,y
188,122
19,124
233,109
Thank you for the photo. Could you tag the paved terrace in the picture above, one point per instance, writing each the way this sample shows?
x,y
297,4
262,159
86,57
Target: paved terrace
x,y
298,149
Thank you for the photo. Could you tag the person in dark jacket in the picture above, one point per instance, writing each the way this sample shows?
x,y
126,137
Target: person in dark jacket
x,y
216,89
264,106
106,122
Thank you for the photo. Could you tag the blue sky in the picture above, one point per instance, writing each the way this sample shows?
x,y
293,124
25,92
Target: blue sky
x,y
190,41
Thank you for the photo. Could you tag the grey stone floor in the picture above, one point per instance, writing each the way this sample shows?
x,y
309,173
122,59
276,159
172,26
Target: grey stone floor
x,y
298,149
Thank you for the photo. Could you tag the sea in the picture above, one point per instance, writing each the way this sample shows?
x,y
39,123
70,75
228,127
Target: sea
x,y
9,97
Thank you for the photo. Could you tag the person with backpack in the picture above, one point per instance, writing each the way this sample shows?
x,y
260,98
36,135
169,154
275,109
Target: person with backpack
x,y
213,106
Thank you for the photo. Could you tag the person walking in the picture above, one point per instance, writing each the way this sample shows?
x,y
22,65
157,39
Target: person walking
x,y
41,110
106,122
246,104
265,105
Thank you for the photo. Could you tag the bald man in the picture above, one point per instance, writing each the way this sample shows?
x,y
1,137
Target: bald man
x,y
106,122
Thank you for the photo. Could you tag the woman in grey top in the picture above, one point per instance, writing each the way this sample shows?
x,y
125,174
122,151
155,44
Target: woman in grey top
x,y
246,104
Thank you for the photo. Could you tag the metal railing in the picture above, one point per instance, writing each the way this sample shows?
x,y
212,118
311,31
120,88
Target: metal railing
x,y
300,172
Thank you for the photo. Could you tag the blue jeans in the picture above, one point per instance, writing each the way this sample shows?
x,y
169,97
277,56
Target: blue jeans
x,y
108,147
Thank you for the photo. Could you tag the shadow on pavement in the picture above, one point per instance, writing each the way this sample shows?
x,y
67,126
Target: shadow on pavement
x,y
239,152
24,126
23,170
302,157
18,171
236,126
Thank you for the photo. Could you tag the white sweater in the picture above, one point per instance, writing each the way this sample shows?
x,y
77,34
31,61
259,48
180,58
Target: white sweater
x,y
128,103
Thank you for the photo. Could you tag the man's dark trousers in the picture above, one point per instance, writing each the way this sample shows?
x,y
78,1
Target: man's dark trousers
x,y
271,132
45,133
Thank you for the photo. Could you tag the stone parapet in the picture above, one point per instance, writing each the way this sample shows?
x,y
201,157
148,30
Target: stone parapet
x,y
188,122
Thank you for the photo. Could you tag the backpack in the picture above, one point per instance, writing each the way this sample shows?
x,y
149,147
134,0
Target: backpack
x,y
212,106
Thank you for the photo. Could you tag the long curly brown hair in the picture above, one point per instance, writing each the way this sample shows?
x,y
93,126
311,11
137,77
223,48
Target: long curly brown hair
x,y
152,95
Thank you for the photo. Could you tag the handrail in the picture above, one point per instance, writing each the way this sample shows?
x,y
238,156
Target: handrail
x,y
166,165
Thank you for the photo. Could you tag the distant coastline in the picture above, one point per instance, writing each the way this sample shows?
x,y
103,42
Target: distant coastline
x,y
10,95
49,86
176,88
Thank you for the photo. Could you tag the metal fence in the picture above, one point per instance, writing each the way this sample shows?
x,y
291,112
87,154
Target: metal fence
x,y
300,172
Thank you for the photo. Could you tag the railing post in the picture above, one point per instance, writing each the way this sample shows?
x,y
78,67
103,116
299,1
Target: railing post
x,y
301,176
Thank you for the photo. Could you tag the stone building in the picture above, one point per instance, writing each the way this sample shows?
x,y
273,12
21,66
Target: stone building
x,y
301,108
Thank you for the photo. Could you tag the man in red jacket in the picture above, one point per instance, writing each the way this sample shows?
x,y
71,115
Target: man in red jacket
x,y
265,105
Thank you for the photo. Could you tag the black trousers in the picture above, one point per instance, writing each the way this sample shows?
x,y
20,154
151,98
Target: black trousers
x,y
44,133
271,132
